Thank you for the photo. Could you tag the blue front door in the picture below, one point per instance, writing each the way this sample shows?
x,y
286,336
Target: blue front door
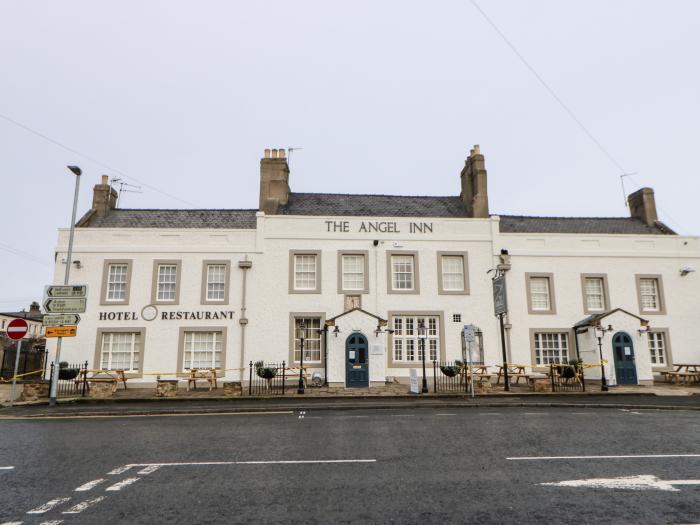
x,y
623,353
356,361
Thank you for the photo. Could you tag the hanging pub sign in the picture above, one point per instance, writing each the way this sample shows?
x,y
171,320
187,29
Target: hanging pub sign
x,y
500,299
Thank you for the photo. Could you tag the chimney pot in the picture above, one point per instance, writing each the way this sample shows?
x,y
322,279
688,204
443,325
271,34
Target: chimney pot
x,y
282,153
476,150
274,153
105,179
267,153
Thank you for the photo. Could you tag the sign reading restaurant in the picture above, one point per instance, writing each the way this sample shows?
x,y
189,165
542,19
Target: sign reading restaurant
x,y
150,313
378,226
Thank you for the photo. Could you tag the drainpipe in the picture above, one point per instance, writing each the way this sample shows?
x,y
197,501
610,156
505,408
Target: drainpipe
x,y
243,321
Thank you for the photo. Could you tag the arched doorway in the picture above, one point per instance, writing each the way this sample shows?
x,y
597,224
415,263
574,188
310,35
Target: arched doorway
x,y
623,354
356,361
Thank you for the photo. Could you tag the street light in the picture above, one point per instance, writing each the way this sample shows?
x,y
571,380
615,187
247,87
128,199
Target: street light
x,y
421,342
302,336
54,378
324,331
602,330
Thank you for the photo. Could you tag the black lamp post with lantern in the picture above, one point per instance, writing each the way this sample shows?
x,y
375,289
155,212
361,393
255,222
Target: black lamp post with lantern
x,y
600,333
421,341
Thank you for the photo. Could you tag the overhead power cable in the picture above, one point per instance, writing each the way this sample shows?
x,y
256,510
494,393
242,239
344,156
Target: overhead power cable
x,y
92,159
25,255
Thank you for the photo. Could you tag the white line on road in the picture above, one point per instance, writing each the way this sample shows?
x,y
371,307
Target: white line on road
x,y
445,414
52,522
403,415
490,414
149,469
536,414
271,462
629,456
117,416
80,507
643,482
89,485
48,506
120,470
123,483
6,468
350,417
12,523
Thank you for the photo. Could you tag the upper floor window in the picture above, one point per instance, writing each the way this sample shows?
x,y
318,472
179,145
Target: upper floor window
x,y
540,294
403,272
594,293
166,276
305,271
116,282
452,273
353,272
649,294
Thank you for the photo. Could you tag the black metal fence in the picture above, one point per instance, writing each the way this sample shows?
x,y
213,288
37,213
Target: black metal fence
x,y
449,376
72,380
567,378
31,359
267,379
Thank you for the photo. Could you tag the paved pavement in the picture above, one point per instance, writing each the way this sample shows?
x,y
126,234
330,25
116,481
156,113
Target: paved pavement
x,y
417,465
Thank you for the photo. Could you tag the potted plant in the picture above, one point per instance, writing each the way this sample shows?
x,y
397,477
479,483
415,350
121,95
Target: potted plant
x,y
265,372
64,372
449,371
568,371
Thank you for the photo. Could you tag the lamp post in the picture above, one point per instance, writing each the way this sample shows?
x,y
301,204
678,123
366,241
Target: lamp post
x,y
54,378
421,341
602,330
302,336
324,331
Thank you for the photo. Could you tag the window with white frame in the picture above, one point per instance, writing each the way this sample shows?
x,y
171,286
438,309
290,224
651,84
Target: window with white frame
x,y
167,282
649,294
117,276
202,350
305,272
402,272
407,345
353,272
594,291
551,347
540,300
312,339
657,348
452,273
216,282
121,351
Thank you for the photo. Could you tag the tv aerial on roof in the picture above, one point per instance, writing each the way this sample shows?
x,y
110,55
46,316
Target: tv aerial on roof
x,y
124,187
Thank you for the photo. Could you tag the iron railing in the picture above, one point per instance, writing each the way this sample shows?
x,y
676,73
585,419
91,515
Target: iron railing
x,y
567,378
72,380
267,379
32,361
450,376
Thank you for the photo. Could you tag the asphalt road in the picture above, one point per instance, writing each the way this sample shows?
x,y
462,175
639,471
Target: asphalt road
x,y
399,465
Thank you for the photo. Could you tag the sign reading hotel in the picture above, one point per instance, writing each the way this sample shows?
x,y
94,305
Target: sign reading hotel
x,y
151,313
378,227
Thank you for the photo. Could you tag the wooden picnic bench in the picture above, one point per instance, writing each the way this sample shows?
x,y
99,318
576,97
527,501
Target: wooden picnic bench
x,y
479,372
514,371
685,373
202,374
295,372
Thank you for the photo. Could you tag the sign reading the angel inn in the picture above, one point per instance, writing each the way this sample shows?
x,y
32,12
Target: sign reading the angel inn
x,y
151,313
378,226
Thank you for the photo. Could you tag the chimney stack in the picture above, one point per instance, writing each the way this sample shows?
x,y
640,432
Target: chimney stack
x,y
474,185
643,206
104,197
274,181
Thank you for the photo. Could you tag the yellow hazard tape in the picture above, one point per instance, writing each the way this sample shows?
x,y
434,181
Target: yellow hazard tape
x,y
9,379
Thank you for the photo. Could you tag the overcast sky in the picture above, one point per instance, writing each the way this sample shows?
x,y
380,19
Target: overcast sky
x,y
383,97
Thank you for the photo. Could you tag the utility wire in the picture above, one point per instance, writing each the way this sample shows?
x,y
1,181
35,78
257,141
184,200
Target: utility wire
x,y
556,97
92,159
25,255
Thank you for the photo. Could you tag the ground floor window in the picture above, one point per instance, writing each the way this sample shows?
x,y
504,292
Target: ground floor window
x,y
551,348
121,350
407,343
202,350
657,348
312,339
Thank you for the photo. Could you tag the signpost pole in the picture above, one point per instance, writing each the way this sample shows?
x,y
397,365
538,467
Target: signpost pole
x,y
69,257
14,376
505,357
500,302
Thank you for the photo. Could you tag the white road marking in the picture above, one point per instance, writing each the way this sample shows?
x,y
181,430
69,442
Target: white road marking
x,y
403,415
351,417
490,414
52,522
271,462
6,468
89,485
80,507
445,414
149,469
12,523
48,506
630,456
643,482
41,417
535,414
119,470
123,483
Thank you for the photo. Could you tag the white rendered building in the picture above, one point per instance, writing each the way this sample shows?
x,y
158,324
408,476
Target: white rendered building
x,y
170,290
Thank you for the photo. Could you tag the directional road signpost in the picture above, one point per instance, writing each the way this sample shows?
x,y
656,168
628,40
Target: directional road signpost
x,y
60,319
61,331
72,305
65,291
16,330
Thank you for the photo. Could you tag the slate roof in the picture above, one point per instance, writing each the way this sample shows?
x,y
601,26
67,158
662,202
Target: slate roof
x,y
347,205
128,218
593,225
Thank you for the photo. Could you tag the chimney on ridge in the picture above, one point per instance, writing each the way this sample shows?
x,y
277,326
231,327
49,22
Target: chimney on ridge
x,y
474,188
274,181
104,197
643,206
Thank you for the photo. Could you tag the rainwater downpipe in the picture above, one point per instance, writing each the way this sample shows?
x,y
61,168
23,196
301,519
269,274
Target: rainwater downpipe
x,y
243,321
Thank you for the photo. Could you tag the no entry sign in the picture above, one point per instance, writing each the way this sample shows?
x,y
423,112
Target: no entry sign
x,y
17,329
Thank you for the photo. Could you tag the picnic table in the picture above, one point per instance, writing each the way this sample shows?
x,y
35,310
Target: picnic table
x,y
202,374
514,371
101,376
685,373
295,372
480,372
